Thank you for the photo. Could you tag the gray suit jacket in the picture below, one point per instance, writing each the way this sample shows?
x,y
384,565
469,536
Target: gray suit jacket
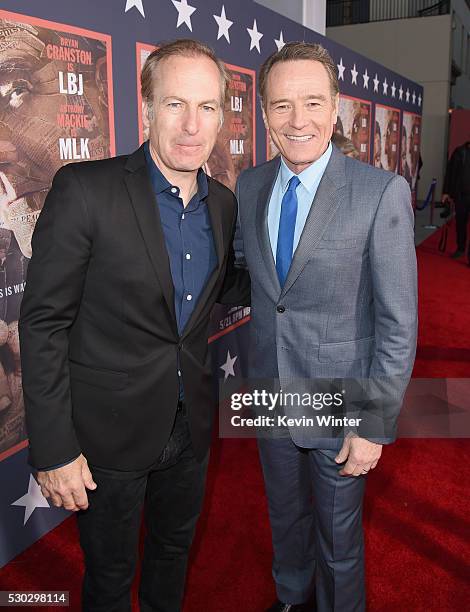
x,y
348,308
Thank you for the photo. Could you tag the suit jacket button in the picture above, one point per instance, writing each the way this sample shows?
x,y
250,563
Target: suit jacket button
x,y
281,308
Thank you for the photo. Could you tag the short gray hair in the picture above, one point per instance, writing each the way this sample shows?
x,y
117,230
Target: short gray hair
x,y
292,51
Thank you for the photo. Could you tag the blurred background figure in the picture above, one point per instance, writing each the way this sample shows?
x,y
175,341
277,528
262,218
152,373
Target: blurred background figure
x,y
457,191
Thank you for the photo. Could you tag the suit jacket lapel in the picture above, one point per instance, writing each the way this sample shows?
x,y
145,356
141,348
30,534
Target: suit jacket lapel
x,y
146,211
264,195
215,213
329,195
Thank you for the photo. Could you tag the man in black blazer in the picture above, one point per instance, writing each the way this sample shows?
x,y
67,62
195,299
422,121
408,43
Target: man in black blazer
x,y
129,256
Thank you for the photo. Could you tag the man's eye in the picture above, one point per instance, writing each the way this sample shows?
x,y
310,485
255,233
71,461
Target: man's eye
x,y
175,105
209,109
312,104
282,107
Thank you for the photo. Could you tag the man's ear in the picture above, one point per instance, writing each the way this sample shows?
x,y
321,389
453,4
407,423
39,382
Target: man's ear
x,y
148,114
265,119
145,119
221,120
336,108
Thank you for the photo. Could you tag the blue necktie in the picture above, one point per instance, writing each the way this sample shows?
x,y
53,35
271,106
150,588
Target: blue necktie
x,y
285,236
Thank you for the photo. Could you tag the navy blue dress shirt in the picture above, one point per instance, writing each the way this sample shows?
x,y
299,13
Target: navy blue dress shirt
x,y
188,237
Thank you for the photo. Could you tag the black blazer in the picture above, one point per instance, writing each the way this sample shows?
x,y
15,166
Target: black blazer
x,y
98,333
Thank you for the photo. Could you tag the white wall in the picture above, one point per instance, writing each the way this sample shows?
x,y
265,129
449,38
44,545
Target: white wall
x,y
419,49
310,13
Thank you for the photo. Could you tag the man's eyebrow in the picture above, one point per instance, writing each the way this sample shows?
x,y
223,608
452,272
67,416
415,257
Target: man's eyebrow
x,y
307,97
213,101
166,98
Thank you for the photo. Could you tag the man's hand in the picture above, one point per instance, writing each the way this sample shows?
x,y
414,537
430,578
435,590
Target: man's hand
x,y
66,486
361,455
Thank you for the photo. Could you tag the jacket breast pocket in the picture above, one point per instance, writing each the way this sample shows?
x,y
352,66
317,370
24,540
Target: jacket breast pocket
x,y
342,243
336,352
107,379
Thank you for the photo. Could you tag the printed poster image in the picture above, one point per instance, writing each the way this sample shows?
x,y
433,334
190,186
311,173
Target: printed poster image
x,y
352,130
410,148
235,148
386,141
56,107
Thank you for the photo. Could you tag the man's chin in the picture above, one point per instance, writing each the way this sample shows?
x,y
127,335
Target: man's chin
x,y
302,161
188,167
188,163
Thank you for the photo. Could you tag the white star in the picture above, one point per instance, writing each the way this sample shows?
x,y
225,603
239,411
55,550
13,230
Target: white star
x,y
224,25
280,42
227,367
341,69
400,92
414,98
255,36
137,4
32,499
354,74
376,83
393,89
407,95
185,11
366,78
385,86
419,100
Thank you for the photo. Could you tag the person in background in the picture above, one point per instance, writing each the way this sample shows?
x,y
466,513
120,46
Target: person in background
x,y
456,190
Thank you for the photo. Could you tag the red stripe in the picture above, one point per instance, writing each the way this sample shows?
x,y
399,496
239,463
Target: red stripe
x,y
13,450
228,329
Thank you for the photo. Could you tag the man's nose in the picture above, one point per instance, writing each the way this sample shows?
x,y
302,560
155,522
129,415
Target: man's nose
x,y
191,121
298,118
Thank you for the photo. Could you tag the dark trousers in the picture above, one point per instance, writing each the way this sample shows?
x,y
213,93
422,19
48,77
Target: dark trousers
x,y
462,212
171,493
316,525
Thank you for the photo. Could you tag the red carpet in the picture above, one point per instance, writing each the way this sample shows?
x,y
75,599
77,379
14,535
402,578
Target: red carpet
x,y
444,312
416,510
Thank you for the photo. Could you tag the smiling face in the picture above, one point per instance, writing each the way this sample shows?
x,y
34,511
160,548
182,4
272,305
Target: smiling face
x,y
300,111
185,115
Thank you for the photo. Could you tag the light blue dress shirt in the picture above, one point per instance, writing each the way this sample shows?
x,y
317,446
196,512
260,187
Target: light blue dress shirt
x,y
309,180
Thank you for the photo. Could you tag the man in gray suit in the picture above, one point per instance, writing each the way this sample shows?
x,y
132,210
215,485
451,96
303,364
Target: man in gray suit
x,y
330,249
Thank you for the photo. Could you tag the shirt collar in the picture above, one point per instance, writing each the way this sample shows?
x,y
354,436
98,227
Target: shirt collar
x,y
160,182
311,175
